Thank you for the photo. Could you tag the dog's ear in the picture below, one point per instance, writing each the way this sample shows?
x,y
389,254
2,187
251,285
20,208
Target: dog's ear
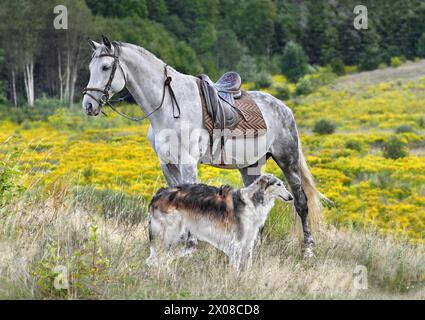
x,y
257,196
266,181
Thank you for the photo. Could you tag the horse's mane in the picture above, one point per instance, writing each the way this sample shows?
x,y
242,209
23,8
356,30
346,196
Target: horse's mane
x,y
117,45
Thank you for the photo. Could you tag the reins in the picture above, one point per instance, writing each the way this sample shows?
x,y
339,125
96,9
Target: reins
x,y
105,99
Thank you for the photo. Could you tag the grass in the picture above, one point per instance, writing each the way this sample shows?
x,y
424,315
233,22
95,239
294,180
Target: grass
x,y
105,258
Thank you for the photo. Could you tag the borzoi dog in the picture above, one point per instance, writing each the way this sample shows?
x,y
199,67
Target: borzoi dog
x,y
228,219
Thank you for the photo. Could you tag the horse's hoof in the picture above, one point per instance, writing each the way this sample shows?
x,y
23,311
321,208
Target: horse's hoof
x,y
308,252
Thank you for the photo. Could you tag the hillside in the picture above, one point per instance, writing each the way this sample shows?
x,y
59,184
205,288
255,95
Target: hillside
x,y
410,71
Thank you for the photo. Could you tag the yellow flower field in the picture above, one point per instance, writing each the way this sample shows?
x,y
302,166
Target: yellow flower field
x,y
367,188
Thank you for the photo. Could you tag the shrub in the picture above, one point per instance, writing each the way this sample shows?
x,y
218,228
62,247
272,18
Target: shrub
x,y
263,80
304,86
337,66
247,67
282,91
395,62
421,122
370,58
63,119
354,145
294,61
324,127
10,185
395,148
404,128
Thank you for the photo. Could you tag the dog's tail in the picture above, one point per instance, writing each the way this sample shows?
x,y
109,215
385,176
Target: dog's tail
x,y
314,197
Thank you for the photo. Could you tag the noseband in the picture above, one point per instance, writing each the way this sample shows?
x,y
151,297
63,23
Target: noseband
x,y
105,99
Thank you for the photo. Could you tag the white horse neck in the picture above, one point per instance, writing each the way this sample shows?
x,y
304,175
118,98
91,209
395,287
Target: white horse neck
x,y
145,82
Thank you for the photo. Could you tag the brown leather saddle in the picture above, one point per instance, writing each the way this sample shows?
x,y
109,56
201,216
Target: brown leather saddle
x,y
226,106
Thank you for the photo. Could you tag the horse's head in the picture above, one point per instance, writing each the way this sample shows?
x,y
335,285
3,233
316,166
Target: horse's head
x,y
107,77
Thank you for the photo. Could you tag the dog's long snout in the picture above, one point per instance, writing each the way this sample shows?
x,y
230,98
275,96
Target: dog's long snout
x,y
285,195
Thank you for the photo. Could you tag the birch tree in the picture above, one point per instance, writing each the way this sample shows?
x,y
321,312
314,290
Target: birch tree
x,y
72,47
24,23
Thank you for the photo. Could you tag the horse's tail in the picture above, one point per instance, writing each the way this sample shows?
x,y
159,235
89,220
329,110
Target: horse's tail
x,y
314,197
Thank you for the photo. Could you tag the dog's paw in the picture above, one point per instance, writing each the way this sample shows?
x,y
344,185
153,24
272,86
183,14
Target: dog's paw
x,y
187,252
151,262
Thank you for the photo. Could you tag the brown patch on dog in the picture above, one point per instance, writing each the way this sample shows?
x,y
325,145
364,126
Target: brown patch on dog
x,y
199,201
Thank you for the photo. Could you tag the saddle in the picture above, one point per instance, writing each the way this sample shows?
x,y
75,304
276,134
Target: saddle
x,y
220,98
226,106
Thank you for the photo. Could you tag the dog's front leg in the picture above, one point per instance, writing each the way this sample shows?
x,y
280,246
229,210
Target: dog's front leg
x,y
235,257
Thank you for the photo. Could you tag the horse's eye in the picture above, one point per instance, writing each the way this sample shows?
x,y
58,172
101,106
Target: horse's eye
x,y
105,68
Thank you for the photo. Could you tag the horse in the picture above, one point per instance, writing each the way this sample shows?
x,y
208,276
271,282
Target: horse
x,y
116,66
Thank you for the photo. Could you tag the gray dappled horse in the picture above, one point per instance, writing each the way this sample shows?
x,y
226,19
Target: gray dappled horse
x,y
116,66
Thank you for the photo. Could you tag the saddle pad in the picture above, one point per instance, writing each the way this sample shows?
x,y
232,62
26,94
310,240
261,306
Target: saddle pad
x,y
250,119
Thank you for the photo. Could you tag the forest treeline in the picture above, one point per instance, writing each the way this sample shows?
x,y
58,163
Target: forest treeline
x,y
254,37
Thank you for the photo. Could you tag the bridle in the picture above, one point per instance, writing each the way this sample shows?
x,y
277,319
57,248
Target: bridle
x,y
105,98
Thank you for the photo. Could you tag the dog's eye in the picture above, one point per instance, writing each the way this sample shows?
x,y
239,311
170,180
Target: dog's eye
x,y
105,68
279,184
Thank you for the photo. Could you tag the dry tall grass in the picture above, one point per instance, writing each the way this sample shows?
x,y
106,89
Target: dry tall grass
x,y
105,260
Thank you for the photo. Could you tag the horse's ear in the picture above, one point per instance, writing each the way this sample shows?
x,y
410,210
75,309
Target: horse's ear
x,y
94,45
106,42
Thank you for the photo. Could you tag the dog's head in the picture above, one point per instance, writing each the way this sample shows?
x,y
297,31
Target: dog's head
x,y
268,187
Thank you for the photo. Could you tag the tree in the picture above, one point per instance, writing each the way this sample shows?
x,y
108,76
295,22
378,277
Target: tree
x,y
64,53
420,48
287,25
294,61
157,10
22,48
321,38
370,54
257,26
152,36
247,67
227,50
119,8
76,37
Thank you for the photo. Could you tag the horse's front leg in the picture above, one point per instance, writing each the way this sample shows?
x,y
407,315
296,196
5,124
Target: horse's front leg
x,y
189,173
172,174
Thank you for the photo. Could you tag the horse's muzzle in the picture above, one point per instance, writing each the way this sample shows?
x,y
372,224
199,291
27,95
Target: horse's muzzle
x,y
90,108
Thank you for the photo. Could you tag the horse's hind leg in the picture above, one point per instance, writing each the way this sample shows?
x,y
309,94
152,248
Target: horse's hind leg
x,y
290,167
